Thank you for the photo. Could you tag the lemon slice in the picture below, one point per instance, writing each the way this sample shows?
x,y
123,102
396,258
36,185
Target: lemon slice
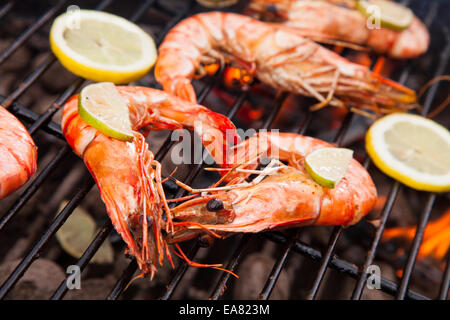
x,y
77,233
217,3
392,15
101,106
327,166
412,149
101,46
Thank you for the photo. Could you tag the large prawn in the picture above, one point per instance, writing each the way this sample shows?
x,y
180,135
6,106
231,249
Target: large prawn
x,y
18,154
340,20
128,176
287,197
278,56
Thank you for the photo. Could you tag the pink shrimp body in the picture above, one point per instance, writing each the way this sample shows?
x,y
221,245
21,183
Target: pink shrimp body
x,y
128,177
287,198
331,20
278,56
18,154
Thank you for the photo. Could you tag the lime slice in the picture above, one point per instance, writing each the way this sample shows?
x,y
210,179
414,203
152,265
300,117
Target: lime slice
x,y
77,233
101,46
391,14
327,166
102,107
411,149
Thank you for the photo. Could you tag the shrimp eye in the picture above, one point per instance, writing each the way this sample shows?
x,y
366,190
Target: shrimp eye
x,y
272,8
214,205
170,186
149,220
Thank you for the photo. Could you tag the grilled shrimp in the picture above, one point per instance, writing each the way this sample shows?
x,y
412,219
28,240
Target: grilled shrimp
x,y
328,20
18,154
287,197
128,177
278,56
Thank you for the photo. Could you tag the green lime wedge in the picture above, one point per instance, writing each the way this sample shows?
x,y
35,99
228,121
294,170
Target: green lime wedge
x,y
102,107
327,166
391,14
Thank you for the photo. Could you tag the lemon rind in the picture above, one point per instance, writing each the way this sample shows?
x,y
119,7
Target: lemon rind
x,y
382,159
83,67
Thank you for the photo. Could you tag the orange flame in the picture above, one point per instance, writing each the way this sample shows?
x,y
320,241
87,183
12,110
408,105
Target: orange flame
x,y
436,238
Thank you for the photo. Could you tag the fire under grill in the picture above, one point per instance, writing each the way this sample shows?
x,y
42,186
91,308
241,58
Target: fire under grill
x,y
326,262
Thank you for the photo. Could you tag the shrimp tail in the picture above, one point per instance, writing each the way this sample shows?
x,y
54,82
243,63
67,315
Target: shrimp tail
x,y
391,95
182,88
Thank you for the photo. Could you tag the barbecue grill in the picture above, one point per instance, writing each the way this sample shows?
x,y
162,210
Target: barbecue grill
x,y
288,245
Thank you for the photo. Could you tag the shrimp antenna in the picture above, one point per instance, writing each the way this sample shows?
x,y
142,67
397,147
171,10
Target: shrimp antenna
x,y
234,168
192,190
170,175
444,104
183,256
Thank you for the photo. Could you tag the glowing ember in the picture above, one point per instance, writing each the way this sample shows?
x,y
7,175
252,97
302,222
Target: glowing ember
x,y
362,58
247,113
211,68
436,239
236,77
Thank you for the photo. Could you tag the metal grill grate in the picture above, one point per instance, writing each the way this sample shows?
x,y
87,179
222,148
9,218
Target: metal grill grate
x,y
287,242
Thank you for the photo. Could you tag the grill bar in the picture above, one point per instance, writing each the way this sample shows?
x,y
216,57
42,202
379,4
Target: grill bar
x,y
325,262
406,276
337,231
341,265
445,286
48,61
34,186
107,227
193,173
183,267
35,251
49,126
30,31
132,267
392,195
39,121
123,281
280,263
220,287
179,273
162,152
50,112
6,8
30,116
141,10
415,247
232,265
278,266
86,257
396,185
388,207
294,235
